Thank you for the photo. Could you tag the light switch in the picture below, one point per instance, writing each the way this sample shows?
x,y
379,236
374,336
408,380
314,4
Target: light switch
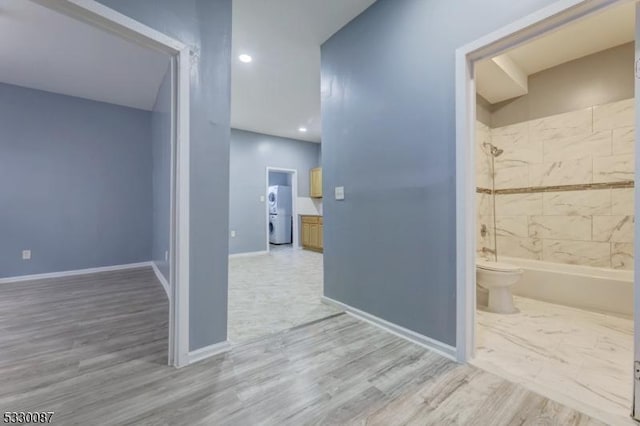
x,y
339,193
26,254
262,198
166,256
233,234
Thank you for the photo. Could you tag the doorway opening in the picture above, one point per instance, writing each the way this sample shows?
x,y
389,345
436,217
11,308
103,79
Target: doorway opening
x,y
276,281
545,167
281,216
104,198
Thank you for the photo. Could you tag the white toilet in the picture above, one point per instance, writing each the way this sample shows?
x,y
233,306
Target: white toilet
x,y
498,278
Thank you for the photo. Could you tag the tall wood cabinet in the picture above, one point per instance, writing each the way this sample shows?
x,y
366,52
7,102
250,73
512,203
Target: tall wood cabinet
x,y
312,232
315,183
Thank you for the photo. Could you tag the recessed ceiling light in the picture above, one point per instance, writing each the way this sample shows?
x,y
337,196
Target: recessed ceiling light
x,y
302,129
245,58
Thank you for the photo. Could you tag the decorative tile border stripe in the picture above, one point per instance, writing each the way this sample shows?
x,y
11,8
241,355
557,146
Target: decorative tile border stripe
x,y
559,188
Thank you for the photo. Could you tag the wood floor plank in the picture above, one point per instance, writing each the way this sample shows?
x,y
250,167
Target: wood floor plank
x,y
94,350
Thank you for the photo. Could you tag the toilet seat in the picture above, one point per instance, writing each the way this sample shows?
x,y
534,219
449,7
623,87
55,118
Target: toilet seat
x,y
497,266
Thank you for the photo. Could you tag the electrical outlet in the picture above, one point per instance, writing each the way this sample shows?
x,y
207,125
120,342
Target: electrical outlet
x,y
262,198
233,234
339,193
26,254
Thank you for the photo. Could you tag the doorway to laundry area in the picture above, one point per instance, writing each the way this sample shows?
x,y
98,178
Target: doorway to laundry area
x,y
281,213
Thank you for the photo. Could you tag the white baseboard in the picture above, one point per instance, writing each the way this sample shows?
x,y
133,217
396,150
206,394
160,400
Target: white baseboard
x,y
424,341
63,274
248,254
208,351
161,278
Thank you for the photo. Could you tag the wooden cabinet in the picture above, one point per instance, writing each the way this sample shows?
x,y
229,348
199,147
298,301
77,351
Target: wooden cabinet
x,y
312,232
306,233
315,183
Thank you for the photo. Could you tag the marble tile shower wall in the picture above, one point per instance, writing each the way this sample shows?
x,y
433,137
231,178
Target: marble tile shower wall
x,y
485,238
586,227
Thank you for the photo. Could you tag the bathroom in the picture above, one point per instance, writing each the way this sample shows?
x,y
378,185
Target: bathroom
x,y
555,141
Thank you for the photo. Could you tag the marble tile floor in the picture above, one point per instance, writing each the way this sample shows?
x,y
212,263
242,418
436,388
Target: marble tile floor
x,y
273,292
580,358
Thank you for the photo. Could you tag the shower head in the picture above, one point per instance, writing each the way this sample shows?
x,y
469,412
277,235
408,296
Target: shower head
x,y
494,150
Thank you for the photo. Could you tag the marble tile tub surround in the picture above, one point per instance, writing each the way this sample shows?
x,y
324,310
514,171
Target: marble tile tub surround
x,y
592,148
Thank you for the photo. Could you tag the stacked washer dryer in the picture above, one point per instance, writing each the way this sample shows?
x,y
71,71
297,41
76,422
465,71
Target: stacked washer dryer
x,y
280,211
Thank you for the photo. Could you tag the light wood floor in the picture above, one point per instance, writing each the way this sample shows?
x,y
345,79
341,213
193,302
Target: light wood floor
x,y
93,349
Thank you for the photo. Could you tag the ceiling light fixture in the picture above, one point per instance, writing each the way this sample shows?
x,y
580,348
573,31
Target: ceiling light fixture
x,y
245,58
302,129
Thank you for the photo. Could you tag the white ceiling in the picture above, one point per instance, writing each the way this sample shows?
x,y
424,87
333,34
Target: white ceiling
x,y
613,27
280,90
45,50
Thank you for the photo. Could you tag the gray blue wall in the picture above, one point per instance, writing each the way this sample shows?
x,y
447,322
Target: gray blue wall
x,y
388,123
75,183
251,154
205,25
161,175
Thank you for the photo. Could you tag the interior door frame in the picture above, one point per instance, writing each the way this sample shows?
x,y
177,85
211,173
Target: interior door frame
x,y
96,14
553,17
635,411
294,204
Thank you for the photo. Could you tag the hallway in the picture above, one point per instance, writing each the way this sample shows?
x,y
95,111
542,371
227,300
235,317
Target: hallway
x,y
273,292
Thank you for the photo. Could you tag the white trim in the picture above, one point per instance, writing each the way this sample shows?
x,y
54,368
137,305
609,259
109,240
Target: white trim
x,y
161,278
417,338
208,351
99,15
182,211
294,204
248,254
535,25
172,214
635,408
465,223
72,273
556,15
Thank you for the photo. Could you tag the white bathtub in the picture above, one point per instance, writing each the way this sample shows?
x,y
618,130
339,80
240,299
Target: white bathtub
x,y
599,289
